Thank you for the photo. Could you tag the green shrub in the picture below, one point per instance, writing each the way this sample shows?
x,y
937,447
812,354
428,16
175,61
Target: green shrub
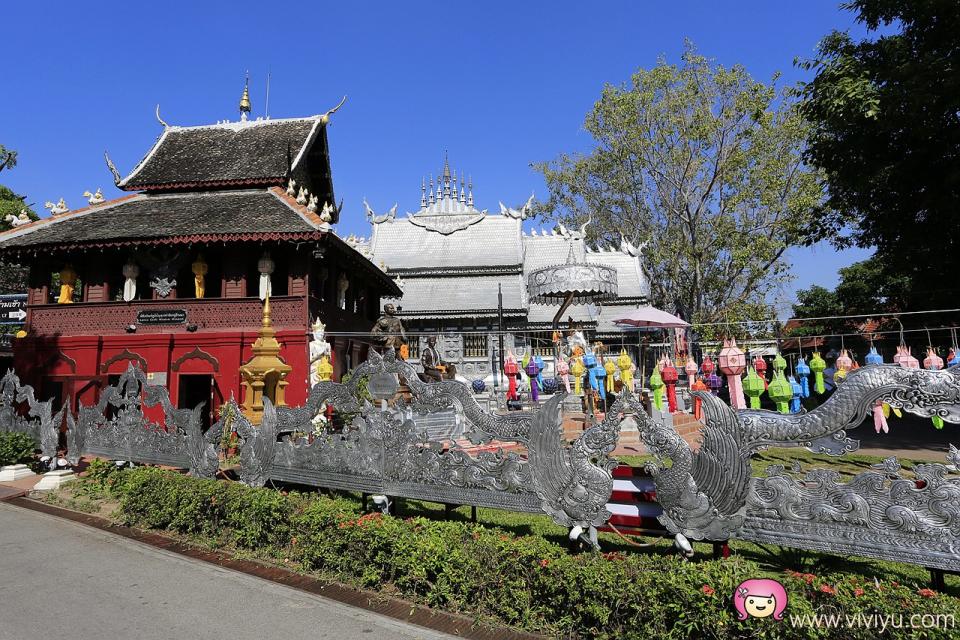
x,y
16,448
527,582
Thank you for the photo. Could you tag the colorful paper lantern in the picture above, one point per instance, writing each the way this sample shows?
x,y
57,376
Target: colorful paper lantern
x,y
873,357
610,368
780,392
533,372
907,360
510,371
577,369
803,371
691,370
933,362
843,366
656,388
817,366
478,386
707,366
563,372
732,364
670,377
626,366
953,357
779,363
753,386
715,383
880,418
541,365
698,385
797,390
760,366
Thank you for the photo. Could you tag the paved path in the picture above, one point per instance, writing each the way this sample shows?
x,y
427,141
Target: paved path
x,y
62,579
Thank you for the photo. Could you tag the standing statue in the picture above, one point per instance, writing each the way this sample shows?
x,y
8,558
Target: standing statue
x,y
434,368
342,285
265,266
319,350
199,268
388,330
68,279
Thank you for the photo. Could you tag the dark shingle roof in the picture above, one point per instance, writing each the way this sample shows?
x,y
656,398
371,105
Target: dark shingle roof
x,y
253,152
153,217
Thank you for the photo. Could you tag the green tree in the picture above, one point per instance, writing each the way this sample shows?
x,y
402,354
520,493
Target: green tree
x,y
700,166
13,278
885,129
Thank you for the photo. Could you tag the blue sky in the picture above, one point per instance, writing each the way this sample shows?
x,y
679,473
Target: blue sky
x,y
499,85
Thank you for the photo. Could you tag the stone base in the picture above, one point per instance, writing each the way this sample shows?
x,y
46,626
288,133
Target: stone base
x,y
53,479
14,472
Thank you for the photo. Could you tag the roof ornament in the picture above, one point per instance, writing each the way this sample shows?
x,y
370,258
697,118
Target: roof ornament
x,y
423,192
329,212
302,196
292,187
446,176
456,196
470,197
113,168
18,220
56,209
245,99
526,211
325,118
312,203
375,219
94,198
159,119
432,200
463,192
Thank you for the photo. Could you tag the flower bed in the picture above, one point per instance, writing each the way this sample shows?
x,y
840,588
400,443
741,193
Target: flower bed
x,y
525,582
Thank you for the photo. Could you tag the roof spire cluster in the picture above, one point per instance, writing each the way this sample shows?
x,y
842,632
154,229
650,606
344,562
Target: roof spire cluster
x,y
447,188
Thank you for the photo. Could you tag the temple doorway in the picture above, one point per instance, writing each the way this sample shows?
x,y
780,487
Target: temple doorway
x,y
194,388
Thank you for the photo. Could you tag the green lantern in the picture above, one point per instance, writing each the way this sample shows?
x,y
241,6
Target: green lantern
x,y
657,386
817,365
780,391
753,386
779,363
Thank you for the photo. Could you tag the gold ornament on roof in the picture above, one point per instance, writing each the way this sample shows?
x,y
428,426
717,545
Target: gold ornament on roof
x,y
245,100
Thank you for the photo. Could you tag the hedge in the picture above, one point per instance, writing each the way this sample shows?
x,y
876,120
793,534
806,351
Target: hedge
x,y
16,448
525,582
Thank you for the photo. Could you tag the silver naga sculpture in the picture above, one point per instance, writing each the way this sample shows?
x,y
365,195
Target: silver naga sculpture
x,y
710,494
117,428
383,451
43,427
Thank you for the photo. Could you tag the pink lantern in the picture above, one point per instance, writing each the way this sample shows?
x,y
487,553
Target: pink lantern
x,y
732,364
691,369
907,360
932,361
843,366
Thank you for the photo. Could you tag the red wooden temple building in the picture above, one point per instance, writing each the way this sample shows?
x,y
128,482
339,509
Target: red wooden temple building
x,y
171,276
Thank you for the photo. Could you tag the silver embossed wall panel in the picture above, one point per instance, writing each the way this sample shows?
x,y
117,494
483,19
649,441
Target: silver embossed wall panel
x,y
710,494
117,428
40,423
388,449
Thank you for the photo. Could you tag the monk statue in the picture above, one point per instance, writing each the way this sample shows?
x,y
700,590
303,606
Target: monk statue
x,y
434,368
388,331
200,270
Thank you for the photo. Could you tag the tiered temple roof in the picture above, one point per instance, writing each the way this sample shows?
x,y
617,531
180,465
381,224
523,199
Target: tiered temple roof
x,y
449,258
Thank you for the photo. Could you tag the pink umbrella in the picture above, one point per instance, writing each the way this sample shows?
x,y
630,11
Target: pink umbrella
x,y
650,317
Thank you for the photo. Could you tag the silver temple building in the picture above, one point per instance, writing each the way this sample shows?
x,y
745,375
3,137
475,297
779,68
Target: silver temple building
x,y
451,260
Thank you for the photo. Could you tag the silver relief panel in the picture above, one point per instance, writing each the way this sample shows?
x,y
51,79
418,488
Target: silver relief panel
x,y
710,494
118,428
383,449
40,422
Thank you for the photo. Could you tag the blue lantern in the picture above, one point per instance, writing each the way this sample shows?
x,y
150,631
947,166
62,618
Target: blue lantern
x,y
479,386
540,366
797,389
803,370
550,386
873,357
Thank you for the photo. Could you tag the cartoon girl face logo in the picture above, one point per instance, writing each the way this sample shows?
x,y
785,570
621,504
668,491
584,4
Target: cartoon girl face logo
x,y
760,598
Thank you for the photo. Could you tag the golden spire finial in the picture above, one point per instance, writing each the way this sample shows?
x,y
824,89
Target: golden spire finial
x,y
266,312
245,99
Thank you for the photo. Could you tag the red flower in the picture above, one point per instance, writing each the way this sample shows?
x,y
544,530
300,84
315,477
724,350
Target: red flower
x,y
927,593
858,592
809,577
825,588
707,589
544,562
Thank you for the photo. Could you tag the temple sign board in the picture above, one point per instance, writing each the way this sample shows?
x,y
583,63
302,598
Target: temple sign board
x,y
13,308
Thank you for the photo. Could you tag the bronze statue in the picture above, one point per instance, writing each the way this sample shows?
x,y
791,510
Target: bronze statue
x,y
388,331
434,368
